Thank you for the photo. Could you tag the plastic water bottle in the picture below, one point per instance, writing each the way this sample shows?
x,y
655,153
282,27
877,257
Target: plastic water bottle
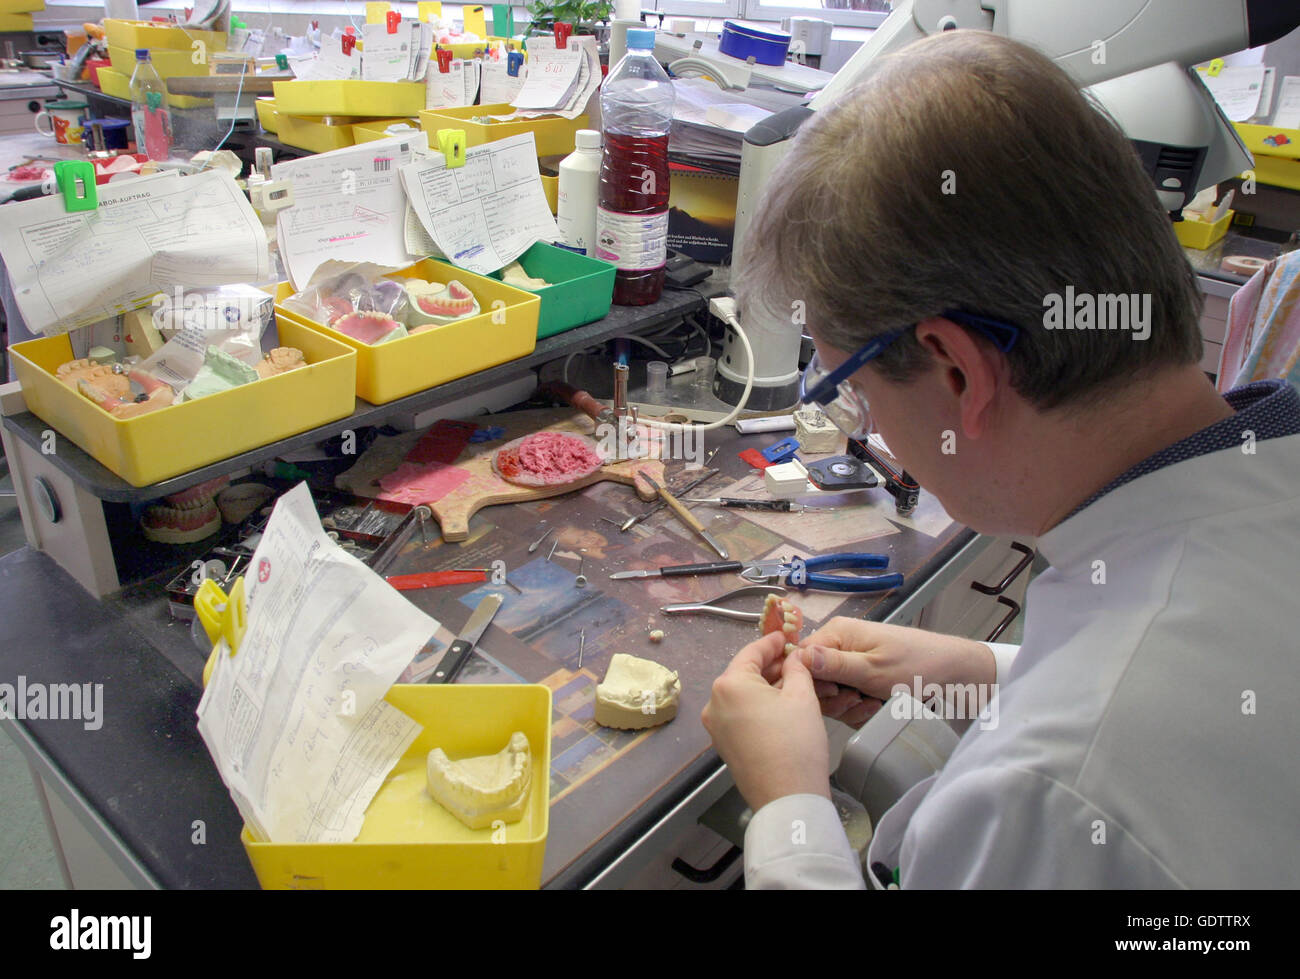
x,y
636,105
153,123
575,210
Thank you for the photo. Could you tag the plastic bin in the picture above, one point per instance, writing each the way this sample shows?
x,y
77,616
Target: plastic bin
x,y
366,132
367,100
1201,234
317,134
553,134
393,370
170,64
191,434
408,841
119,85
151,34
580,292
267,115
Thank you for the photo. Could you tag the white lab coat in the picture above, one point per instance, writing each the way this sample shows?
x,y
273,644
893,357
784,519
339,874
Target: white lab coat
x,y
1148,730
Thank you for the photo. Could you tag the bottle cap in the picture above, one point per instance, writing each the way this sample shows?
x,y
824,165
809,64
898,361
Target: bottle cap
x,y
586,139
141,54
643,39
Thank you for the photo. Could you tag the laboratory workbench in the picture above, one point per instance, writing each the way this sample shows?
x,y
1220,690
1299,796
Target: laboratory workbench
x,y
140,784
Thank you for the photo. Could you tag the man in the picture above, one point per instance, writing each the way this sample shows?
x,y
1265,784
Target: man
x,y
940,227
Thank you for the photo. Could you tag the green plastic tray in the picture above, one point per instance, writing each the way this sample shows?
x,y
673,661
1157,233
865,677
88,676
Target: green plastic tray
x,y
581,288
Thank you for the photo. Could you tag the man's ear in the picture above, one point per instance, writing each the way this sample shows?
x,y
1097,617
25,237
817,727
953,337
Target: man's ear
x,y
970,369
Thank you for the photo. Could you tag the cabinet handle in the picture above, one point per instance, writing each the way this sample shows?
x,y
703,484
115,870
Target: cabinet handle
x,y
710,874
1012,575
1006,619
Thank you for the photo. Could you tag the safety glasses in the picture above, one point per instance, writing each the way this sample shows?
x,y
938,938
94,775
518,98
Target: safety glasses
x,y
845,406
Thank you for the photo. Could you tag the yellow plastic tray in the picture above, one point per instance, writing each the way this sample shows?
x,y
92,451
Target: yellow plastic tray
x,y
21,6
366,132
410,842
117,84
313,133
1201,234
134,34
395,369
370,100
553,135
15,22
170,64
192,434
267,115
1253,136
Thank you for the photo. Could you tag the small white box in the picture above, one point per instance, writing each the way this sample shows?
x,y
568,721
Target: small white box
x,y
787,480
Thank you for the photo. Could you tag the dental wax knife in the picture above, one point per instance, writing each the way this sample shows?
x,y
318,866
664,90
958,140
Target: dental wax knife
x,y
658,505
686,517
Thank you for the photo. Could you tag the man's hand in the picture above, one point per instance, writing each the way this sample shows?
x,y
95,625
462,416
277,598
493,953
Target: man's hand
x,y
850,658
773,739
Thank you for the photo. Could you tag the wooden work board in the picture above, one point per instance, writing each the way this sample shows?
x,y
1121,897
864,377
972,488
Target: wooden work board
x,y
484,487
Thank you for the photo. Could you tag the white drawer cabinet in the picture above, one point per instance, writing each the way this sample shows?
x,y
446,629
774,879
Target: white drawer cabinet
x,y
988,597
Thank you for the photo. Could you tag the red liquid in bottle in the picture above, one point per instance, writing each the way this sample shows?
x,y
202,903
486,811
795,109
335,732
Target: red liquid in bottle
x,y
634,181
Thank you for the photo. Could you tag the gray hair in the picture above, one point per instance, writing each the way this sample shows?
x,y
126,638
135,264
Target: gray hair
x,y
968,172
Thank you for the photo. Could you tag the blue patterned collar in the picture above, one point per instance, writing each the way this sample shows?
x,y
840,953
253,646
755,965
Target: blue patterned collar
x,y
1269,409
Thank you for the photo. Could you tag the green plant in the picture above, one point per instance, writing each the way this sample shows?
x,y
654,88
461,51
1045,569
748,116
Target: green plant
x,y
583,15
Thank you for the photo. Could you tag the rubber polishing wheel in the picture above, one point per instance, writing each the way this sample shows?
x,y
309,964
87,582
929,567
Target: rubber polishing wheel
x,y
579,455
1243,264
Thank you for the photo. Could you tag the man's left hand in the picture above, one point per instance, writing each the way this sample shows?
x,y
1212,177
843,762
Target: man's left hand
x,y
772,738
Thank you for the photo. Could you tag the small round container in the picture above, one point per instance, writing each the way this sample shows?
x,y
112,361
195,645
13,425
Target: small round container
x,y
656,377
704,368
741,41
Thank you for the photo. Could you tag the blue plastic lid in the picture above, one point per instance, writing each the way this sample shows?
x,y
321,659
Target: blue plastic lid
x,y
641,38
141,54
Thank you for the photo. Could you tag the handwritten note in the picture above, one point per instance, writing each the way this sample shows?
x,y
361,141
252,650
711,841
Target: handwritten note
x,y
1237,90
348,206
1288,104
498,85
488,212
553,73
296,720
147,235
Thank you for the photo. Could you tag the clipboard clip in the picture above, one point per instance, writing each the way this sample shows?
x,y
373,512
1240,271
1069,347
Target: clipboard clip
x,y
282,62
562,32
444,60
451,143
1215,67
222,617
394,21
349,41
514,61
75,180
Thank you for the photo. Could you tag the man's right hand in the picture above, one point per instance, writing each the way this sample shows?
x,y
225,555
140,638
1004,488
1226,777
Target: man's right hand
x,y
856,664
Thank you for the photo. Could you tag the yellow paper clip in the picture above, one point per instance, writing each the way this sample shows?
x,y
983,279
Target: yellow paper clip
x,y
1215,67
222,617
451,142
376,12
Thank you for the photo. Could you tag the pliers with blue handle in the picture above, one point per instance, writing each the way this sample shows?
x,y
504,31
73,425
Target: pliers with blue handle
x,y
805,573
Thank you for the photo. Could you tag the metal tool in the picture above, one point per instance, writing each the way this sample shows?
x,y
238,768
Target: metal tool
x,y
582,643
538,543
620,390
552,553
655,507
711,567
712,606
805,573
422,511
458,654
687,517
581,580
736,503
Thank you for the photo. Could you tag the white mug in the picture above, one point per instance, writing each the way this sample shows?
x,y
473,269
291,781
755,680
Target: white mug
x,y
64,121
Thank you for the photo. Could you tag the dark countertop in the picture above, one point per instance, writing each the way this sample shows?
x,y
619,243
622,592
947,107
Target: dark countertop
x,y
149,776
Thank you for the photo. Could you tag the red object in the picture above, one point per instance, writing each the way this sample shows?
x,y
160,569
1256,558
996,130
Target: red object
x,y
349,41
562,32
442,443
434,579
634,180
754,458
444,60
350,31
394,20
92,69
1281,139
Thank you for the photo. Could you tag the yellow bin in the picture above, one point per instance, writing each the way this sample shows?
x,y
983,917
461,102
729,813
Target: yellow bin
x,y
408,841
170,64
119,85
151,34
267,114
1192,233
553,135
317,134
367,100
397,368
366,132
191,434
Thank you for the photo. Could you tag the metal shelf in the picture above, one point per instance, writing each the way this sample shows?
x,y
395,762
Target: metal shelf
x,y
106,485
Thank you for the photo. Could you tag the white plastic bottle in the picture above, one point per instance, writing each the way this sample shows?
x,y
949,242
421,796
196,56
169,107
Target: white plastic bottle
x,y
153,123
576,198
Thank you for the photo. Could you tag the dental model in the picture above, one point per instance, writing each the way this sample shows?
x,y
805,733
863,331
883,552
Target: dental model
x,y
434,304
636,693
220,372
780,615
187,516
514,275
479,791
370,327
280,361
100,376
154,394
